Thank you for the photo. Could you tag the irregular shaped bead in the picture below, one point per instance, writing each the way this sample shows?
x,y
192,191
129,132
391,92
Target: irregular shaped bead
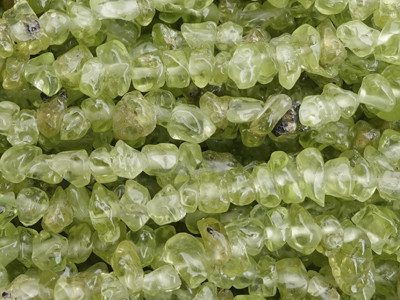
x,y
126,265
93,78
26,237
243,110
166,38
289,65
79,199
50,251
389,144
292,278
161,158
319,287
165,207
375,91
56,25
144,242
245,65
101,166
265,185
207,290
214,196
190,124
201,62
386,49
377,160
73,166
161,280
339,178
9,244
9,208
6,43
74,125
99,112
188,257
307,42
118,9
333,52
172,6
241,189
112,288
362,9
215,240
134,117
23,287
200,35
302,234
105,250
32,203
176,68
80,243
332,235
148,72
50,115
220,68
14,162
126,161
8,110
84,22
346,100
14,71
318,110
105,213
229,34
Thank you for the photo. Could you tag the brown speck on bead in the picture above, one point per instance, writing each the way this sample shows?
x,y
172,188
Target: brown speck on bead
x,y
210,230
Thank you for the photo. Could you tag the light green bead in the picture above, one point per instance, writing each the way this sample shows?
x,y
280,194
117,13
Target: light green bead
x,y
105,213
6,44
229,34
23,287
379,223
292,278
333,52
50,115
269,63
56,25
319,288
101,167
99,112
389,144
59,214
144,242
190,124
243,110
39,169
318,110
214,196
389,185
92,81
9,244
69,288
245,65
148,72
133,205
112,288
117,9
189,195
241,188
161,158
310,163
206,291
9,207
239,262
127,32
189,258
200,35
4,280
73,166
26,237
8,110
377,160
15,161
201,62
330,7
220,69
358,37
13,72
339,178
216,108
74,125
50,251
215,240
346,100
69,66
80,243
25,30
134,117
163,234
307,42
164,102
265,185
32,203
360,10
176,68
289,65
78,198
166,38
84,22
161,280
123,157
105,250
386,49
146,12
165,207
303,234
172,6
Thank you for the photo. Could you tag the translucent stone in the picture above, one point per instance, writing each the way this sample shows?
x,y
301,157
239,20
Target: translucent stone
x,y
50,251
292,278
386,49
56,25
104,213
189,195
116,9
264,284
32,203
245,65
123,157
307,42
112,288
243,110
220,68
26,237
148,72
134,117
15,161
161,280
201,62
200,35
229,34
190,124
214,196
6,44
330,7
99,112
73,166
188,257
7,112
78,198
176,68
276,223
74,125
25,30
23,287
215,240
40,73
92,81
68,66
274,109
14,71
9,244
362,9
376,92
346,100
50,115
379,223
161,158
358,37
207,291
105,250
264,182
332,49
101,167
144,242
269,63
310,163
8,207
389,144
146,12
303,234
319,287
165,207
84,22
166,38
127,32
288,64
80,243
69,288
389,185
24,130
339,178
59,214
164,101
318,110
239,262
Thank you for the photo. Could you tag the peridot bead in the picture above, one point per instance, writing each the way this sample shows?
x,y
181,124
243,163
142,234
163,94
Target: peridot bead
x,y
176,68
9,207
292,278
80,243
289,65
200,35
32,203
84,22
148,72
123,157
118,9
229,34
99,112
56,25
201,63
161,280
6,45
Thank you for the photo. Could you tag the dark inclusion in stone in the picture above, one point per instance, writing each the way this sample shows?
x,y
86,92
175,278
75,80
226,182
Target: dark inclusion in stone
x,y
290,122
5,295
210,230
32,27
